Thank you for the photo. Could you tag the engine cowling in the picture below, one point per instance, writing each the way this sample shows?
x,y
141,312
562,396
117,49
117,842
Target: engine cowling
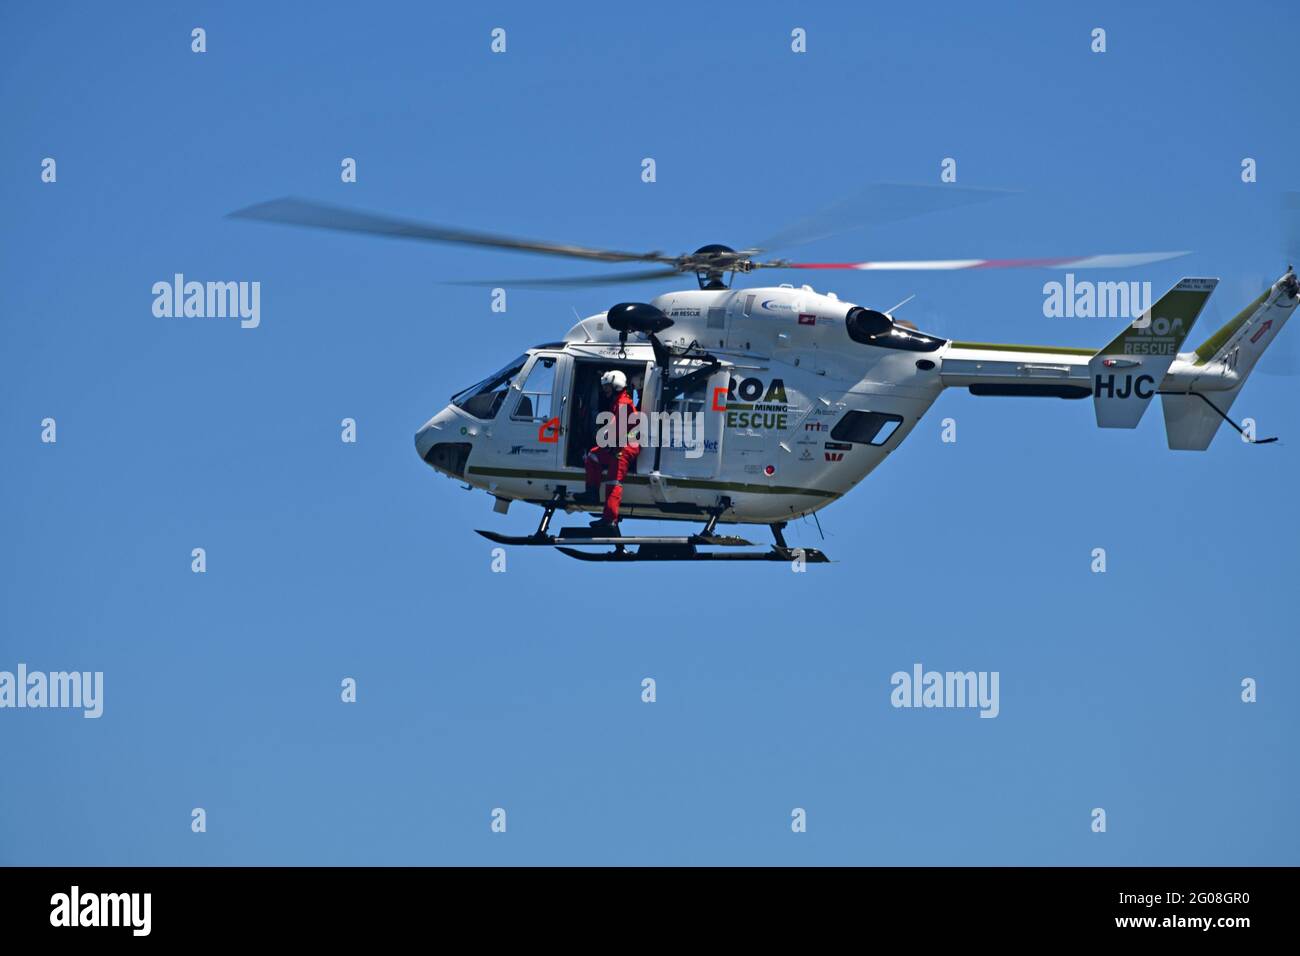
x,y
865,325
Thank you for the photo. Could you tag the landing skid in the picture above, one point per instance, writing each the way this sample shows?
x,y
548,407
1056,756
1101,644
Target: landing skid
x,y
654,547
669,552
581,536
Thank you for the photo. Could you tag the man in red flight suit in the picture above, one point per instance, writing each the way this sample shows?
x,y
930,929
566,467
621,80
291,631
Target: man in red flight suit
x,y
615,457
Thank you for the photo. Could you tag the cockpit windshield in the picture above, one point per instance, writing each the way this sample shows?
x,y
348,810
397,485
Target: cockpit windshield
x,y
484,399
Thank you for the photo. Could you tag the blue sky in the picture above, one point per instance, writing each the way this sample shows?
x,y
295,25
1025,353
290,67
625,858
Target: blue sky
x,y
522,690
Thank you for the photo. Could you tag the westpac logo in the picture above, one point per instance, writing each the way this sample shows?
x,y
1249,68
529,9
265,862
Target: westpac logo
x,y
75,908
922,688
1099,300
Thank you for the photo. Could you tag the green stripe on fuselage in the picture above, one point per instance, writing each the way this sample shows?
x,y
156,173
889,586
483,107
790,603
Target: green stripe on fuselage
x,y
1045,349
1207,349
578,476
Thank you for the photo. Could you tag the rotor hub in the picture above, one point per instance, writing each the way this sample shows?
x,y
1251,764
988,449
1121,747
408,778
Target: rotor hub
x,y
710,263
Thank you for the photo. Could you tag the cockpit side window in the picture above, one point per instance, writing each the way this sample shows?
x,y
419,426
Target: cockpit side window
x,y
484,400
535,402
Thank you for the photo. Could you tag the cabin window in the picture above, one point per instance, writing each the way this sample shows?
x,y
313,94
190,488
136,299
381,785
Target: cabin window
x,y
692,401
535,402
866,428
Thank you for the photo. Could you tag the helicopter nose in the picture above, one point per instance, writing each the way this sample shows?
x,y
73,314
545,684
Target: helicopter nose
x,y
443,445
425,438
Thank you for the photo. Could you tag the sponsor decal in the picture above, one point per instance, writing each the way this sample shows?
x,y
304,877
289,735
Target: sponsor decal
x,y
806,456
771,305
754,405
807,318
758,420
834,455
752,389
710,445
549,433
1158,336
685,313
839,446
525,450
815,427
826,412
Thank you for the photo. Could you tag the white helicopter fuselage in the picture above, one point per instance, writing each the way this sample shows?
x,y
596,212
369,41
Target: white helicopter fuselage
x,y
790,375
799,396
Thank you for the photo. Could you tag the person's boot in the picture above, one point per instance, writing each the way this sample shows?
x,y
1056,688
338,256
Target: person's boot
x,y
589,497
603,528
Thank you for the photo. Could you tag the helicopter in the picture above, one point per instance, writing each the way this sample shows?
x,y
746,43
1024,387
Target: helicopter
x,y
778,400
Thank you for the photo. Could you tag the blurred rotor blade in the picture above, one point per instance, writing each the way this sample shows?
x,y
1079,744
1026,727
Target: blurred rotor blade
x,y
877,204
1283,357
1291,226
1115,261
563,282
302,212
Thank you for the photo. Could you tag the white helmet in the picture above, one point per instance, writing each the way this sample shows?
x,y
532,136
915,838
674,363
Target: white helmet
x,y
616,378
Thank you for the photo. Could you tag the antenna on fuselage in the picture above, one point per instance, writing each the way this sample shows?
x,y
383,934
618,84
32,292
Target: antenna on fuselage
x,y
890,312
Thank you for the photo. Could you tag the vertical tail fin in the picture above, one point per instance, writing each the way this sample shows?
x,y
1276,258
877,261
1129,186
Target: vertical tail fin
x,y
1127,373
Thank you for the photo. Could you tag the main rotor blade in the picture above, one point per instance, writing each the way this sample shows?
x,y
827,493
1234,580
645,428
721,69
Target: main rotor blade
x,y
1112,261
1291,227
572,281
302,212
877,204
